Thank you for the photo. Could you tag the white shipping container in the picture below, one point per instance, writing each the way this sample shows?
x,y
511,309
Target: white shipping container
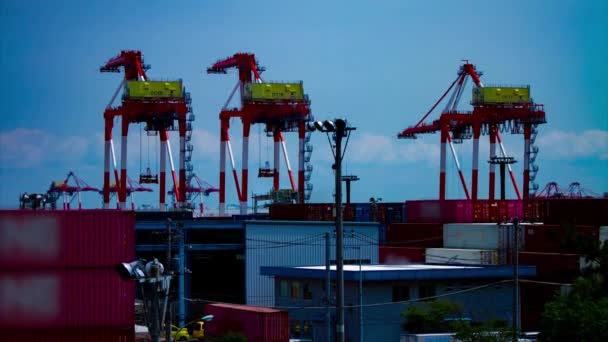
x,y
462,256
480,236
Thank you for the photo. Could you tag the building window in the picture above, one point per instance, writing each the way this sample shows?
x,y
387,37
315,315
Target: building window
x,y
307,292
284,288
425,291
295,289
307,329
401,293
295,328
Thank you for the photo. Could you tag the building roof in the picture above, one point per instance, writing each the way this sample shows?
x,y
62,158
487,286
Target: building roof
x,y
402,272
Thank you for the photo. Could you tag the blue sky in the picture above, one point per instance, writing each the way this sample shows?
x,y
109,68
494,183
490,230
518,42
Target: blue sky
x,y
379,64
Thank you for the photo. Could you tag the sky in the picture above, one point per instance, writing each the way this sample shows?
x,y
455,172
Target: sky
x,y
380,65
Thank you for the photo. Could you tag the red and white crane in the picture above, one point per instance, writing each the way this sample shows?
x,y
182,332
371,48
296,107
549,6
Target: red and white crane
x,y
132,187
158,114
278,116
199,189
485,118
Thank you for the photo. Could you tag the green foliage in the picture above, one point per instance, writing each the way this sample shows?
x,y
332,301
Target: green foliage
x,y
491,331
431,316
582,313
234,337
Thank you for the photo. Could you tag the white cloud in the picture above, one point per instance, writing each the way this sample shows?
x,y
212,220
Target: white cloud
x,y
588,144
380,148
25,148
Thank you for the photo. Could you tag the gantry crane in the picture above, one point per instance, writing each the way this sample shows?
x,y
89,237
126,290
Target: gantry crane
x,y
67,191
199,189
574,190
132,187
495,109
157,104
280,106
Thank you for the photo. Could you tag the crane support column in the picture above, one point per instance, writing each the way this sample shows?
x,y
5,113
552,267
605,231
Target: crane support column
x,y
109,120
492,166
475,173
182,161
301,137
163,166
245,172
444,138
122,191
223,139
277,151
527,134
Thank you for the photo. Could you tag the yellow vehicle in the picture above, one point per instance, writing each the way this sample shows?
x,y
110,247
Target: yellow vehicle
x,y
178,334
198,331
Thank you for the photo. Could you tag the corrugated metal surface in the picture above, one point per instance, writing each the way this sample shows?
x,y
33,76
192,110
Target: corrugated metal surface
x,y
362,212
553,266
415,234
436,211
576,211
478,236
401,255
461,256
274,243
58,239
552,238
60,299
68,335
257,324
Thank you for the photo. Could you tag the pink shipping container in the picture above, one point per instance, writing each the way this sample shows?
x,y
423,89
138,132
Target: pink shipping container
x,y
401,255
64,299
258,324
60,239
436,211
415,234
69,335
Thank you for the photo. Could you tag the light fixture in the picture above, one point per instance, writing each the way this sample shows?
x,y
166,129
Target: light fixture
x,y
131,270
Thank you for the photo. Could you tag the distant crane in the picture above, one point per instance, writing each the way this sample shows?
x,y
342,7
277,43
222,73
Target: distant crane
x,y
67,191
132,187
574,190
199,189
495,109
280,106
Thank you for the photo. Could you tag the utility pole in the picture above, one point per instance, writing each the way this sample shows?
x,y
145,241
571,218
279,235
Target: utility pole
x,y
167,317
340,130
328,285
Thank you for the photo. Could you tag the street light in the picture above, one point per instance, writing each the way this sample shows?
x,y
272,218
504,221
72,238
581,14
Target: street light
x,y
339,129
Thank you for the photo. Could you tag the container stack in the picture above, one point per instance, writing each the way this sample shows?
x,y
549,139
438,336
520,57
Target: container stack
x,y
59,281
257,324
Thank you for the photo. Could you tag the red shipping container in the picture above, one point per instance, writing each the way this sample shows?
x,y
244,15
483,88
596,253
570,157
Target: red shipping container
x,y
258,324
348,213
547,238
576,211
69,335
415,234
401,255
533,298
59,239
63,299
296,212
436,211
553,266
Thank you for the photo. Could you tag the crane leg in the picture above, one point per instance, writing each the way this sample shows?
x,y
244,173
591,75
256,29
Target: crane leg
x,y
444,133
301,136
122,191
163,167
492,178
245,171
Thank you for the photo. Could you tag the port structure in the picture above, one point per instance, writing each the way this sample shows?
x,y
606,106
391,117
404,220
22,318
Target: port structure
x,y
132,188
574,190
157,104
68,192
199,189
496,110
281,107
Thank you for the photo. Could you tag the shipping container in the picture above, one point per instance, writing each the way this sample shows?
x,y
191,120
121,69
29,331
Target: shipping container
x,y
288,212
556,267
533,298
437,211
462,256
554,238
60,239
154,89
258,324
501,95
401,255
274,92
66,298
362,212
479,236
415,234
33,333
576,211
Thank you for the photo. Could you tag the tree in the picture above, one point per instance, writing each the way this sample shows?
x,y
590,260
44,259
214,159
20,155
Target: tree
x,y
431,316
582,313
491,331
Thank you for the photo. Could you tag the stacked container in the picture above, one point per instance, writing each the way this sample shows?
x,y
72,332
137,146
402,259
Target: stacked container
x,y
257,324
59,280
